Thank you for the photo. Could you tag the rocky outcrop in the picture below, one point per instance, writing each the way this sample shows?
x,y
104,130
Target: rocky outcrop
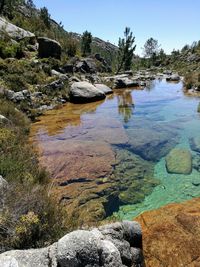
x,y
13,31
49,48
83,92
179,161
171,235
114,245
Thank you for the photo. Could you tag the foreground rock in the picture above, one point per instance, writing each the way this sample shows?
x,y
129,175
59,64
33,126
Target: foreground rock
x,y
13,31
83,92
171,235
49,48
179,161
114,245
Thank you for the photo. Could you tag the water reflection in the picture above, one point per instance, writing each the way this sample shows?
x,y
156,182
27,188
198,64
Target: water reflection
x,y
125,105
55,121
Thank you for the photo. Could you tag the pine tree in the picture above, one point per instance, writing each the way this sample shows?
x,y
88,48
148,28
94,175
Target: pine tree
x,y
44,14
86,42
126,50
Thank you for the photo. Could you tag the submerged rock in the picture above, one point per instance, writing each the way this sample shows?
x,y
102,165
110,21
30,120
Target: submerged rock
x,y
171,235
151,141
114,245
81,92
195,143
179,161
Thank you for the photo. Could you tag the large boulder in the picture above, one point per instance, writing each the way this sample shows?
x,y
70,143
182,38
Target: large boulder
x,y
108,246
13,31
49,48
83,92
179,161
171,235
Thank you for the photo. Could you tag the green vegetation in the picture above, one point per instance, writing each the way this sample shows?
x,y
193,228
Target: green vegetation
x,y
86,42
30,218
126,50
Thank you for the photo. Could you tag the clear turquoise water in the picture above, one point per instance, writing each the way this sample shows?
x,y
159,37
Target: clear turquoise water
x,y
161,110
164,104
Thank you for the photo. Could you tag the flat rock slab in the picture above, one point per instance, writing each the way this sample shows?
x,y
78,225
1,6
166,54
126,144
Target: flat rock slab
x,y
74,160
179,161
171,235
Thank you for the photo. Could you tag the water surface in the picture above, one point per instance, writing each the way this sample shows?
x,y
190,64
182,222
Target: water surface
x,y
110,155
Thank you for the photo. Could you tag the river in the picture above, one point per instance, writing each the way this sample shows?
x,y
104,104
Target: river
x,y
108,158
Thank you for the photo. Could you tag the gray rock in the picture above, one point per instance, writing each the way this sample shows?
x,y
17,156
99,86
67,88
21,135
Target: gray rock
x,y
86,65
82,92
125,83
179,161
56,73
49,48
3,119
56,85
110,255
173,78
104,88
26,258
167,72
78,248
138,258
102,247
13,31
195,143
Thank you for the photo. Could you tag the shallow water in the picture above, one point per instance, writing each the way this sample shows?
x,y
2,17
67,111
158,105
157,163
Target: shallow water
x,y
147,123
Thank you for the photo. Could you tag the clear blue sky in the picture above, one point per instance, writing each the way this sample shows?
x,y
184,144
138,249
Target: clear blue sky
x,y
173,23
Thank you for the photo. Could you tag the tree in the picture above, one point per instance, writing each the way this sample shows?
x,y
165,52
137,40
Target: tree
x,y
151,48
86,42
125,51
45,16
30,4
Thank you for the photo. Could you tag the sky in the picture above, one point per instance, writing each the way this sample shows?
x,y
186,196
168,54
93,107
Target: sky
x,y
173,23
